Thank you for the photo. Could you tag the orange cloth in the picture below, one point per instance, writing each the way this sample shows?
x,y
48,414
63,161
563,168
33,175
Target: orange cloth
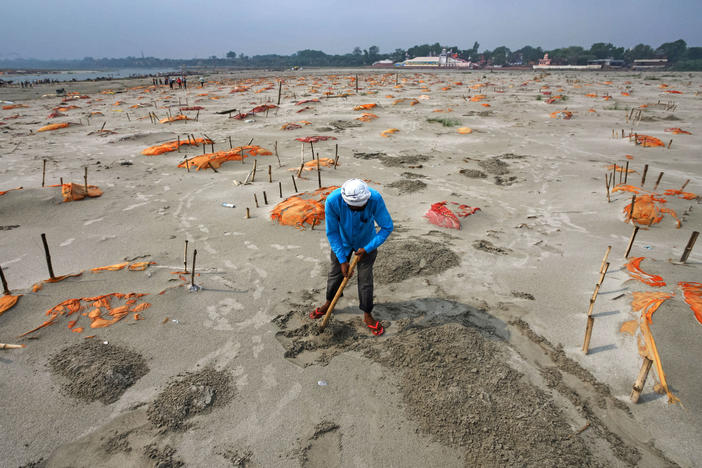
x,y
173,146
692,292
7,302
75,192
306,207
216,159
55,126
635,271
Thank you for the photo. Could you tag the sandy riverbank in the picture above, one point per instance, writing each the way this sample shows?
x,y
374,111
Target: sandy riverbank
x,y
480,363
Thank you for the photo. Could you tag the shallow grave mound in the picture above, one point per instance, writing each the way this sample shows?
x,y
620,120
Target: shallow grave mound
x,y
190,394
96,370
407,186
401,259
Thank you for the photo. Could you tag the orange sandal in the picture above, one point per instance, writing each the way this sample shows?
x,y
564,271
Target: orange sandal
x,y
377,329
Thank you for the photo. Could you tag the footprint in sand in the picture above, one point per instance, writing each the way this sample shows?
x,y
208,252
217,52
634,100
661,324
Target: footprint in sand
x,y
88,223
218,315
67,242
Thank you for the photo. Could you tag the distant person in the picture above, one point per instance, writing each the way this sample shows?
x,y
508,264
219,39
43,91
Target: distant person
x,y
171,82
202,82
180,82
185,83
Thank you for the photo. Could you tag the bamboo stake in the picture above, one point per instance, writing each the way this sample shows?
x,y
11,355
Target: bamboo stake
x,y
690,245
640,380
294,183
631,241
185,257
643,176
248,215
280,188
85,178
230,142
670,143
5,290
253,172
43,173
256,200
631,212
684,185
339,292
336,155
280,88
658,181
626,172
319,173
265,198
11,346
607,187
192,274
179,143
604,260
276,153
47,254
270,174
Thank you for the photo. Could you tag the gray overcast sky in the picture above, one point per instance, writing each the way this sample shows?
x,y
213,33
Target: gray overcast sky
x,y
190,28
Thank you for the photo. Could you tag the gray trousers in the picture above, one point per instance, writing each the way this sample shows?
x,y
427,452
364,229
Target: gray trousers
x,y
365,279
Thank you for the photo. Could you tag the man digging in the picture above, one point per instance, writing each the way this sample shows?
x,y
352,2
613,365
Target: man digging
x,y
351,213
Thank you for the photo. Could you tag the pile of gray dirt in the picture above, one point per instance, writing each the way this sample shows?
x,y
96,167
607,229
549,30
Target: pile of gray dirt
x,y
458,387
402,259
407,186
95,371
162,457
188,395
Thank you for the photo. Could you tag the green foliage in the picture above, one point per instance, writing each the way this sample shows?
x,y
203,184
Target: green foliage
x,y
445,122
688,65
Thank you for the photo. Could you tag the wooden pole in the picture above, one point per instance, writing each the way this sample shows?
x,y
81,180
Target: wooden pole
x,y
253,172
11,346
690,245
626,172
256,200
604,260
185,257
643,176
684,185
658,181
280,188
48,256
270,174
248,215
319,173
230,142
631,241
192,274
339,292
640,380
336,154
241,155
294,183
43,173
276,153
670,143
590,318
356,83
280,88
179,143
607,187
265,198
85,178
5,290
631,212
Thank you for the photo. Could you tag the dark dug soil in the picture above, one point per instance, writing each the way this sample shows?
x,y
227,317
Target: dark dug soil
x,y
98,371
188,395
408,186
494,166
162,457
401,259
489,247
473,173
460,390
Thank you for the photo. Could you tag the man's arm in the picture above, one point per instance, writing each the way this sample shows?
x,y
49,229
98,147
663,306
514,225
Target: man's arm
x,y
384,221
333,234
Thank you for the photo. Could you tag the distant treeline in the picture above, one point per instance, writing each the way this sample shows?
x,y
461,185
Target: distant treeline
x,y
680,57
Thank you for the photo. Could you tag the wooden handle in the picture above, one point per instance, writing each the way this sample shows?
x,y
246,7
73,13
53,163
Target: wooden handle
x,y
338,292
11,346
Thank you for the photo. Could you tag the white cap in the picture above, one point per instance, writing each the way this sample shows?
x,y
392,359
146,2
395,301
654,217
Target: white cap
x,y
355,192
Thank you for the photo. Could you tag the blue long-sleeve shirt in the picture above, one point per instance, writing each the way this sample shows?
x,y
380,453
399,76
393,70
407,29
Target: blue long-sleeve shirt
x,y
349,230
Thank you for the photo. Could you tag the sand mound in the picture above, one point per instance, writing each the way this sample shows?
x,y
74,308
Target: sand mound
x,y
473,173
458,387
489,247
344,124
394,161
401,259
188,395
408,186
494,166
162,457
98,371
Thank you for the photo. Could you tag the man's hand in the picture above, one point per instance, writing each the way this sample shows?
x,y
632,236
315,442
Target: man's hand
x,y
345,269
361,252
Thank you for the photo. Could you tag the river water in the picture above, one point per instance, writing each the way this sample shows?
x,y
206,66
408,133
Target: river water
x,y
80,75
